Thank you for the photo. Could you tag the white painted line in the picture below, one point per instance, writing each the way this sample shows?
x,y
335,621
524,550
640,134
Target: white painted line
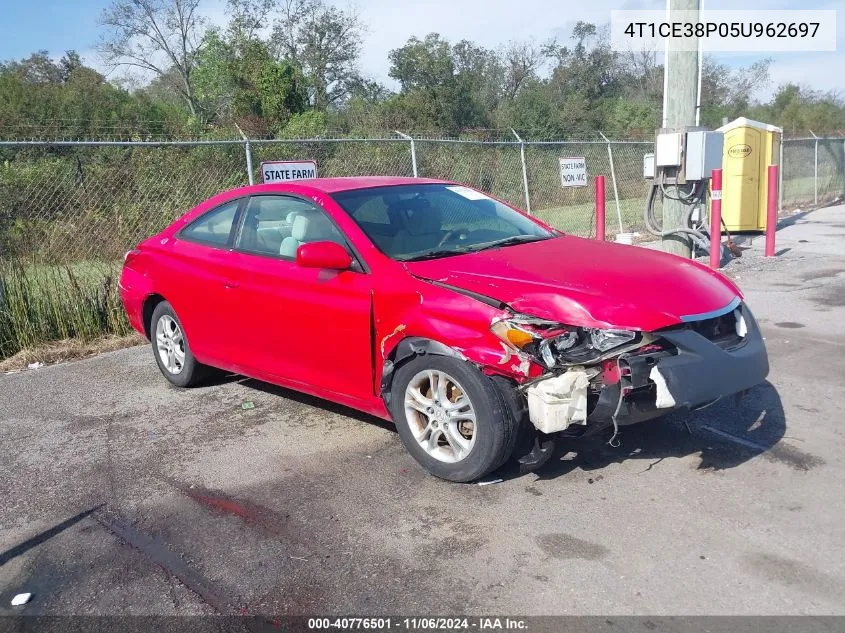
x,y
488,483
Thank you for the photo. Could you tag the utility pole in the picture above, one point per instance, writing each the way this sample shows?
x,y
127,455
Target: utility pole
x,y
680,94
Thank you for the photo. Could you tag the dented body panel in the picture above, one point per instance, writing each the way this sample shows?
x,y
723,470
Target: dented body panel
x,y
587,282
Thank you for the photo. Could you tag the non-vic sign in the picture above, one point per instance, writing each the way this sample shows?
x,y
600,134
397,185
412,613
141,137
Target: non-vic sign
x,y
285,170
573,172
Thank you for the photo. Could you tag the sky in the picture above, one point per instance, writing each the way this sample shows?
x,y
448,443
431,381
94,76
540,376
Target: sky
x,y
56,26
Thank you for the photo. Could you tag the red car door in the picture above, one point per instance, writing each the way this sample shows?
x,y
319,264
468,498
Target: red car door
x,y
306,327
199,276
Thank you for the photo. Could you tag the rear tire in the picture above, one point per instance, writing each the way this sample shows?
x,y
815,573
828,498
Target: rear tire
x,y
171,349
453,419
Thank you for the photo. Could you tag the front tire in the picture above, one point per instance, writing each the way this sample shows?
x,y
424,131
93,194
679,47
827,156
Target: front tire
x,y
171,349
453,419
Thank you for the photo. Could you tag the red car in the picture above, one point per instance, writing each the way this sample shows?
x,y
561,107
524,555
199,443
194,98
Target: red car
x,y
463,320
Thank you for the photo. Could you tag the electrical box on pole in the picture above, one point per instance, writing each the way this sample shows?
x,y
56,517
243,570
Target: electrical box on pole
x,y
681,92
680,170
685,156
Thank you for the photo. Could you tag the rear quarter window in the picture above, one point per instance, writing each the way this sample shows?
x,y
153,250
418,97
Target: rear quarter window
x,y
214,227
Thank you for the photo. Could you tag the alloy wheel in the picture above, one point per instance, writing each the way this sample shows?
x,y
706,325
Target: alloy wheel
x,y
170,344
440,415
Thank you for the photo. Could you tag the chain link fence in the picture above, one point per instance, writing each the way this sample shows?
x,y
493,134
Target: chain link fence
x,y
66,202
813,172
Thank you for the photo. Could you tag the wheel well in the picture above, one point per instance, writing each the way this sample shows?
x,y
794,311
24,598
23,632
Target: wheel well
x,y
150,304
413,346
407,349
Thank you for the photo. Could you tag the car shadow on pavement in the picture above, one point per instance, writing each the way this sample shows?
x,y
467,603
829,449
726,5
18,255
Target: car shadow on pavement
x,y
724,435
301,398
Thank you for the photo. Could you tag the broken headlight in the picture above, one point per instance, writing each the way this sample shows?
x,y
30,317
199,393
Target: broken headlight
x,y
524,333
555,344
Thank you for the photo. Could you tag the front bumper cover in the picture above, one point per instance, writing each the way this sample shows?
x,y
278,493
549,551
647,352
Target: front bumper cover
x,y
699,373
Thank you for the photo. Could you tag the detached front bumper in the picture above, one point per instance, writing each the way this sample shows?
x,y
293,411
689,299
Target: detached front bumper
x,y
697,372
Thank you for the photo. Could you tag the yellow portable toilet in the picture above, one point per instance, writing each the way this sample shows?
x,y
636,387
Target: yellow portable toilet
x,y
750,147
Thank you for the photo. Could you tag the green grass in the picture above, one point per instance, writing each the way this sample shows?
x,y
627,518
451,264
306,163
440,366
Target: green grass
x,y
41,303
579,219
801,190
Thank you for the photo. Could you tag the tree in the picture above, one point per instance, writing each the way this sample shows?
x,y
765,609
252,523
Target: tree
x,y
522,61
730,92
589,68
798,109
68,99
69,64
442,87
579,94
247,17
240,80
212,77
157,36
424,64
325,42
38,68
641,77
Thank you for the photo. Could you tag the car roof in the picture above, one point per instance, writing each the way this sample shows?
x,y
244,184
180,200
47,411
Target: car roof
x,y
333,185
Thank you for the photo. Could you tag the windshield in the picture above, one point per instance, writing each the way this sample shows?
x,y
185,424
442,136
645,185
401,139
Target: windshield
x,y
413,222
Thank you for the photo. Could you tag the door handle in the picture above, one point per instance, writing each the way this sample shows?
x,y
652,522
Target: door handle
x,y
230,284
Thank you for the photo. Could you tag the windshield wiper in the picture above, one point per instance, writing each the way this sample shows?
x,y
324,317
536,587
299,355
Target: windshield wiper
x,y
508,241
434,255
511,241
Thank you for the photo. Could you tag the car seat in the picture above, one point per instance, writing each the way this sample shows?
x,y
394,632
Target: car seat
x,y
422,227
309,227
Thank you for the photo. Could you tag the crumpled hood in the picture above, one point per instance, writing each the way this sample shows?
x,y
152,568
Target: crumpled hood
x,y
586,282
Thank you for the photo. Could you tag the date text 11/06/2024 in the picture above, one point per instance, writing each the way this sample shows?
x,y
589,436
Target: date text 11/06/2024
x,y
418,624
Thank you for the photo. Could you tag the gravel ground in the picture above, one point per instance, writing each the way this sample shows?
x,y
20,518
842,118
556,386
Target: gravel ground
x,y
123,495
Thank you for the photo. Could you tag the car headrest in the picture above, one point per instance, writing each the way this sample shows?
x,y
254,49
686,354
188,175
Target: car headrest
x,y
312,227
422,221
418,216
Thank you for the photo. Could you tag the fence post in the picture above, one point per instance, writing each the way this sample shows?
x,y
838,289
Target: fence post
x,y
772,212
413,152
600,209
248,151
524,171
716,219
780,175
815,170
613,178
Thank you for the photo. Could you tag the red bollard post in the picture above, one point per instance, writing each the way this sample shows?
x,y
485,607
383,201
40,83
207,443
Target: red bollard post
x,y
716,219
600,209
772,212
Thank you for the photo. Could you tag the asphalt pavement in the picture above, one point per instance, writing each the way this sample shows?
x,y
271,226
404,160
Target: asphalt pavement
x,y
124,495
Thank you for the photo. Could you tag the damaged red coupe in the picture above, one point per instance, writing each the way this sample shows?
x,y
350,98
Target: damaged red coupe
x,y
429,303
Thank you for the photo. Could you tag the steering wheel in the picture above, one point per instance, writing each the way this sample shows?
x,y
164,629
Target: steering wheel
x,y
461,233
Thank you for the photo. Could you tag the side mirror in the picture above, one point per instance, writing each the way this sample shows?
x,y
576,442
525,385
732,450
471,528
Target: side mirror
x,y
323,255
